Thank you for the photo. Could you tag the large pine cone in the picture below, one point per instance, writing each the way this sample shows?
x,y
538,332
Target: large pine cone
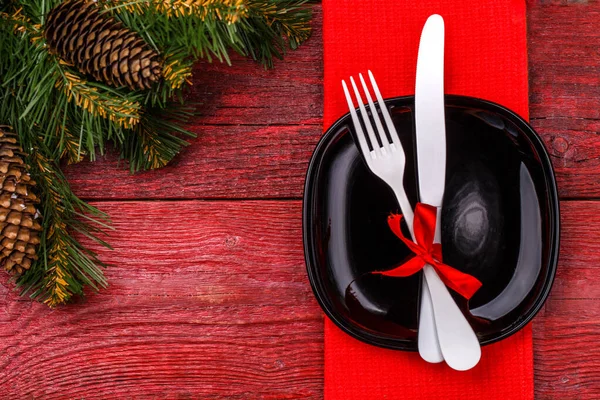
x,y
100,46
19,228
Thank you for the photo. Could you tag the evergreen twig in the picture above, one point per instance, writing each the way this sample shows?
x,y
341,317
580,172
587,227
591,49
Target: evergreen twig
x,y
123,111
59,114
158,139
64,265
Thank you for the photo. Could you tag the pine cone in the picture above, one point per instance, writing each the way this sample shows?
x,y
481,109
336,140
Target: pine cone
x,y
100,46
19,230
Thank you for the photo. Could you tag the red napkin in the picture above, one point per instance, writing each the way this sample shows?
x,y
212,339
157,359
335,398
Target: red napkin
x,y
486,57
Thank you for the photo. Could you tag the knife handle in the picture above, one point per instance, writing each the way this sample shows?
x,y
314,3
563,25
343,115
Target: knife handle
x,y
459,344
428,343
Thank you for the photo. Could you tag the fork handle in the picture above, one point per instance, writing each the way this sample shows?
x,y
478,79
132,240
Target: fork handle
x,y
405,207
428,343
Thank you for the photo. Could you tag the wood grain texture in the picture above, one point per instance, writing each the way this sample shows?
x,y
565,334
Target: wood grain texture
x,y
219,164
564,76
210,300
566,363
567,330
207,300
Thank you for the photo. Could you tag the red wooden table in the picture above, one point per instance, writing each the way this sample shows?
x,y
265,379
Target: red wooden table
x,y
208,294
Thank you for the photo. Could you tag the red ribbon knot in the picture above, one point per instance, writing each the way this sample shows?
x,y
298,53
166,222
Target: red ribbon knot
x,y
427,252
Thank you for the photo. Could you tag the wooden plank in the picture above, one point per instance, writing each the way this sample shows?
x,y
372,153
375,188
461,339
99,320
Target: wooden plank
x,y
564,68
257,128
567,330
224,162
566,351
245,93
210,299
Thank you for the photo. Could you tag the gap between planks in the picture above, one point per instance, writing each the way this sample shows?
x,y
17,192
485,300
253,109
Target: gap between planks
x,y
187,199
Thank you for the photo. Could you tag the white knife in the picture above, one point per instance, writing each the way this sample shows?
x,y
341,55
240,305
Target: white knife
x,y
456,341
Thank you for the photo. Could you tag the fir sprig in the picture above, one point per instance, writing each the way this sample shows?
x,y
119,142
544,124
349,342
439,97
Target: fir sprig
x,y
229,11
107,104
262,29
284,22
159,138
60,114
65,265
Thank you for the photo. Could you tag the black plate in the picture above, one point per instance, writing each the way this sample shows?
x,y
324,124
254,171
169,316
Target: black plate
x,y
500,223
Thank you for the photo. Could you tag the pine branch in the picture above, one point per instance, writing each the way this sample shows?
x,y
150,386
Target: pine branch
x,y
177,71
158,139
44,118
289,18
60,114
21,23
229,11
55,281
106,104
262,29
44,91
69,147
66,265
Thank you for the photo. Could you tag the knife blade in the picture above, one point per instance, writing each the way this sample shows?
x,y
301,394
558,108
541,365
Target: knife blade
x,y
456,340
429,113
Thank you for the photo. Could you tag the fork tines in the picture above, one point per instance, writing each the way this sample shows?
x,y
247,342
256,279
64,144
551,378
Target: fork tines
x,y
381,143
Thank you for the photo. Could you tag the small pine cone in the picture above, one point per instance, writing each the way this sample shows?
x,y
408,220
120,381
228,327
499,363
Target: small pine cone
x,y
99,45
19,228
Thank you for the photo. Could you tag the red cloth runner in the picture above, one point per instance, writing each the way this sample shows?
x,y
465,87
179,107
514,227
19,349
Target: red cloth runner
x,y
486,57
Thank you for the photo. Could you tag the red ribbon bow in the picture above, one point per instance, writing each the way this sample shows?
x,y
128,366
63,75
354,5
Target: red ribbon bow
x,y
427,252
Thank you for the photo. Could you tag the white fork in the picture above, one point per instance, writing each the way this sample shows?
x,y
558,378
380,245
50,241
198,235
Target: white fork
x,y
387,161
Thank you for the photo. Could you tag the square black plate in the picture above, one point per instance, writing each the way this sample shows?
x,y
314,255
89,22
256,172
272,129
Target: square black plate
x,y
500,223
